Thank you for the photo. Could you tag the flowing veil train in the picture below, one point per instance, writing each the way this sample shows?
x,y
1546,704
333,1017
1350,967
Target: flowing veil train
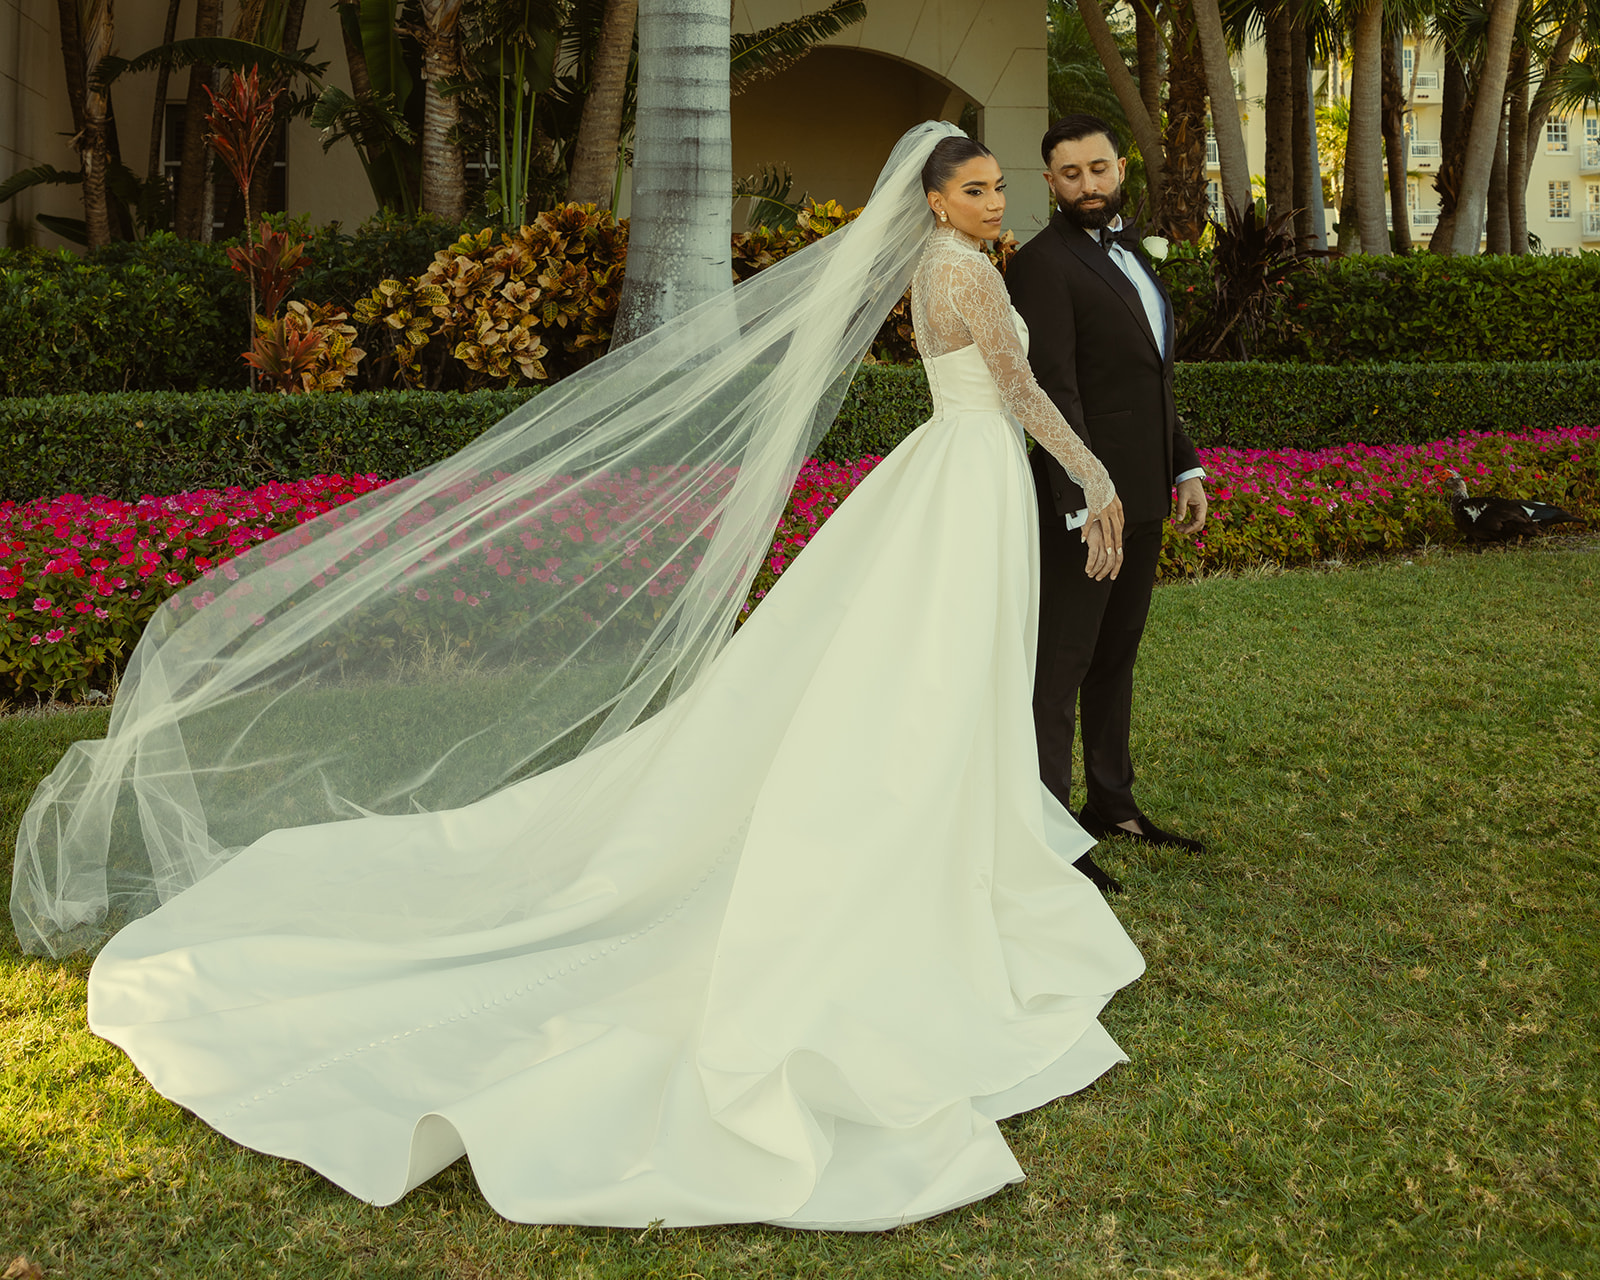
x,y
531,597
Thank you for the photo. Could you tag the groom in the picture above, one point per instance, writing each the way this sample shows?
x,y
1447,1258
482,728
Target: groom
x,y
1100,327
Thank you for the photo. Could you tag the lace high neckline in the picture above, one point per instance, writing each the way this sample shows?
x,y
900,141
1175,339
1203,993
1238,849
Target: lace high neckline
x,y
959,237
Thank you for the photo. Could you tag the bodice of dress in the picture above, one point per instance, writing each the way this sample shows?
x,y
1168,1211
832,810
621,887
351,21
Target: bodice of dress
x,y
974,346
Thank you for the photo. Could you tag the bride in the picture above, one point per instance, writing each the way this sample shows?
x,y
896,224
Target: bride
x,y
453,823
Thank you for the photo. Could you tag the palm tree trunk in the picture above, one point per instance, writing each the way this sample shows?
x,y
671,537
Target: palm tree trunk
x,y
1184,209
158,114
1499,229
98,32
1394,144
1538,114
1517,140
1145,131
444,169
1485,127
1453,114
1307,180
680,240
194,178
594,161
1283,92
1225,123
1147,43
1364,152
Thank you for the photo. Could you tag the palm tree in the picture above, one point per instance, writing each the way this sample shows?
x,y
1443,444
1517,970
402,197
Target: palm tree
x,y
594,162
1185,212
1561,22
1143,123
444,170
680,238
1364,156
1484,132
152,170
1285,87
191,206
1225,123
1394,138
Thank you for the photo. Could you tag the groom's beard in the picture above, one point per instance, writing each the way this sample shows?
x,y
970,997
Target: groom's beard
x,y
1094,216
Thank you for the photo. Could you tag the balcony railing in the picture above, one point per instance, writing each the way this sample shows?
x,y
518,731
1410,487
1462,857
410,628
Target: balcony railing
x,y
1427,86
1591,225
1589,158
1424,220
1426,149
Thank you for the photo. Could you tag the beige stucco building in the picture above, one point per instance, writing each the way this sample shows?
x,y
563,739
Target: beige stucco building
x,y
1563,196
831,118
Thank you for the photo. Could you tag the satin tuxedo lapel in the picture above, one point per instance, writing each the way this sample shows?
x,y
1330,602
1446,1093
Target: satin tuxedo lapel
x,y
1088,250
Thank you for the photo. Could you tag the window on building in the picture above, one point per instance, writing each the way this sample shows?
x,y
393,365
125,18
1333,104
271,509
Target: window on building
x,y
1594,197
1560,201
1555,135
1214,199
1591,129
1411,195
1562,252
1408,57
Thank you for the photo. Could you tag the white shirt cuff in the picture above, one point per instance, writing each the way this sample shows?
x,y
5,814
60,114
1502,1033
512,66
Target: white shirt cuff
x,y
1080,518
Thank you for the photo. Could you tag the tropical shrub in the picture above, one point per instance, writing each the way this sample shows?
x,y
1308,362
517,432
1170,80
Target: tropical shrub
x,y
530,308
308,348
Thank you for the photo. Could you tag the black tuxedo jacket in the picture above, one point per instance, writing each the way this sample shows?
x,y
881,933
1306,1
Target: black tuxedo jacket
x,y
1093,353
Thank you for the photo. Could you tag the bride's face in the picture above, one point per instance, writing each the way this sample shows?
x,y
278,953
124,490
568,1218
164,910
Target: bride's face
x,y
974,200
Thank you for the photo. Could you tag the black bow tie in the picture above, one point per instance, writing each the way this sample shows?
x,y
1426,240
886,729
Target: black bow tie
x,y
1126,235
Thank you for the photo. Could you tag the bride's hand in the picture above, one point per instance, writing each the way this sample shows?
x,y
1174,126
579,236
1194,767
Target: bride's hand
x,y
1103,534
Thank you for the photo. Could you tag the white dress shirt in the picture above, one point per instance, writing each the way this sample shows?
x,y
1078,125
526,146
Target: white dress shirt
x,y
1150,295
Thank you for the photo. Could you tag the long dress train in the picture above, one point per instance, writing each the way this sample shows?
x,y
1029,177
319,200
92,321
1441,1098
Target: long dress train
x,y
794,944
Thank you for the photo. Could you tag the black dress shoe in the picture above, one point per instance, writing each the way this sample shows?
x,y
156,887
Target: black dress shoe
x,y
1100,829
1102,879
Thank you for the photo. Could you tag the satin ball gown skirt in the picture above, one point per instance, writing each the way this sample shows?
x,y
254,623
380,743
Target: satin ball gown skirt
x,y
783,953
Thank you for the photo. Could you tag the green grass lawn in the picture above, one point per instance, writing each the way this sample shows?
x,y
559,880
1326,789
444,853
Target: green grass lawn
x,y
1367,1043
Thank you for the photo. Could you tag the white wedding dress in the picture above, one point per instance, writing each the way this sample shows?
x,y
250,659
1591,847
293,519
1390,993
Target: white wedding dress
x,y
794,946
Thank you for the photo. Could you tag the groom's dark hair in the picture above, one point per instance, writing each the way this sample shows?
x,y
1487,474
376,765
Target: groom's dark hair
x,y
1071,128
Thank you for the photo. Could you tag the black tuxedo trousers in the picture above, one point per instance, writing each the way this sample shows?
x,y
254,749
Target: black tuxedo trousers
x,y
1089,636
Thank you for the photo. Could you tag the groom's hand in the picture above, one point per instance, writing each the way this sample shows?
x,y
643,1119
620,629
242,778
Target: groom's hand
x,y
1192,499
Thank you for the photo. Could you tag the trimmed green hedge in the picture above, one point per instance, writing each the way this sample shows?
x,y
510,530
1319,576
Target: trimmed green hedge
x,y
1421,308
158,442
161,442
1274,406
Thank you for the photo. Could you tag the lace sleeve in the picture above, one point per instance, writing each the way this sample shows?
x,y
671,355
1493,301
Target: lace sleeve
x,y
966,301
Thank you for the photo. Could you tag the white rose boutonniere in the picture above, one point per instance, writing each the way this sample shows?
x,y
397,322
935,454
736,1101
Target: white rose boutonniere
x,y
1155,246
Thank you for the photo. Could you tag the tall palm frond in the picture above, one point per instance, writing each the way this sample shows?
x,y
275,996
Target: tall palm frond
x,y
219,51
760,54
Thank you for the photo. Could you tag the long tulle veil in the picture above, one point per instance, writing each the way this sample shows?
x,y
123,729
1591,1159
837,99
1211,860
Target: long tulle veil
x,y
531,597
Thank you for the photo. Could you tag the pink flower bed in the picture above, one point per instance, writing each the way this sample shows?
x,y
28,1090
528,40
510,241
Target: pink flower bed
x,y
80,577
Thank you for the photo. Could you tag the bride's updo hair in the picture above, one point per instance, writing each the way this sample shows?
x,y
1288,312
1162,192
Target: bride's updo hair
x,y
947,156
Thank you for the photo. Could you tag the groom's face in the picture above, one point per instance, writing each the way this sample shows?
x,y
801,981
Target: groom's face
x,y
1085,176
